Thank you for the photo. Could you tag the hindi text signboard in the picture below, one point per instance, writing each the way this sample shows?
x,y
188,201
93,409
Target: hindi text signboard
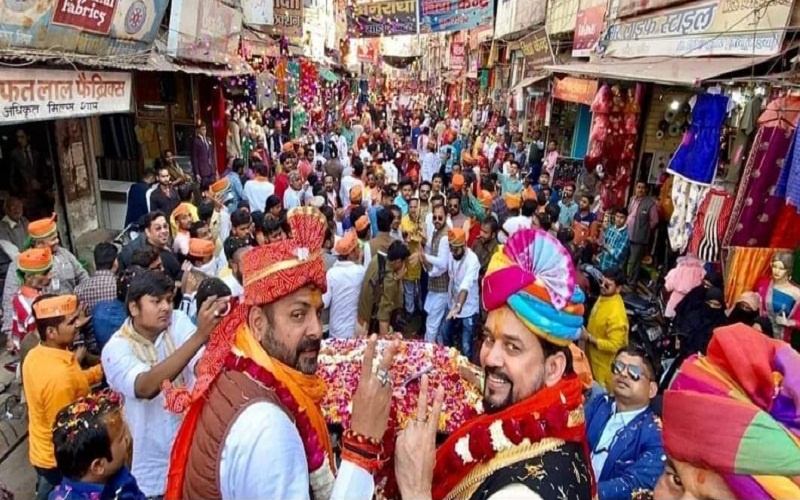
x,y
384,18
700,29
571,89
537,52
453,15
588,27
288,18
43,94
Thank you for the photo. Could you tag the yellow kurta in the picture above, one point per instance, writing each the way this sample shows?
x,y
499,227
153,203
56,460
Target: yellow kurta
x,y
53,380
608,323
412,232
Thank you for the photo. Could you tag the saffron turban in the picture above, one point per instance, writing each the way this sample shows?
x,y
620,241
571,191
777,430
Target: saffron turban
x,y
273,271
35,261
201,248
347,244
458,182
220,186
533,275
356,195
736,411
513,201
181,209
43,228
485,199
362,223
457,237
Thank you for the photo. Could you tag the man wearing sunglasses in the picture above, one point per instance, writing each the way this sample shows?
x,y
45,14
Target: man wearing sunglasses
x,y
624,433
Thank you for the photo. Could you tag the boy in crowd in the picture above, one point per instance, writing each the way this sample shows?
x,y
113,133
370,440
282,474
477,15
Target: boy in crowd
x,y
91,443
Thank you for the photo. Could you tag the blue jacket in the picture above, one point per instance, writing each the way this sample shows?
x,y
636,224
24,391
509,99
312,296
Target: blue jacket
x,y
636,458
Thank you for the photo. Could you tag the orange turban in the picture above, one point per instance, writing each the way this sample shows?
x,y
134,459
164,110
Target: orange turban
x,y
362,223
55,307
288,147
457,237
529,194
513,201
35,260
356,194
458,182
486,199
182,209
273,271
43,228
201,248
347,244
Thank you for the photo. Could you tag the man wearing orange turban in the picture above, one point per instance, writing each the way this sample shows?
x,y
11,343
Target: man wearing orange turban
x,y
257,399
463,270
344,286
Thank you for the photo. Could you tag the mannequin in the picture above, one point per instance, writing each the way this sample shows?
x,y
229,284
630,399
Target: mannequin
x,y
780,298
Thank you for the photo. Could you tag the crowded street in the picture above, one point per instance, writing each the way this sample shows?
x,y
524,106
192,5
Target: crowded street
x,y
400,249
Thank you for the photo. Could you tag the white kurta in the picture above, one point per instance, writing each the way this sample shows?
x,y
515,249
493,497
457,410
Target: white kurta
x,y
263,457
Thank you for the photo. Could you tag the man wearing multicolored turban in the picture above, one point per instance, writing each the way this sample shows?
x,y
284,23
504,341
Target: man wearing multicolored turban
x,y
253,426
531,441
731,421
67,271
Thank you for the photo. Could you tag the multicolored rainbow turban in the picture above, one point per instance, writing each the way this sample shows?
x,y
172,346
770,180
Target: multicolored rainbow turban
x,y
273,271
534,276
736,411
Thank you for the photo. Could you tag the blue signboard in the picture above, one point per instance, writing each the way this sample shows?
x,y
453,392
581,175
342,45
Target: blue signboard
x,y
453,15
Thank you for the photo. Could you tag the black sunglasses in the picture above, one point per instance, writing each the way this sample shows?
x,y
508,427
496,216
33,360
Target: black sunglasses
x,y
634,372
438,218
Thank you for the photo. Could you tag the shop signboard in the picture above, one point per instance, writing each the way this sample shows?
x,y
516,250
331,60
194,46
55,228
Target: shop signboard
x,y
288,18
626,8
571,89
367,51
516,15
254,46
700,29
536,52
457,55
384,18
204,30
480,35
561,16
588,27
453,15
258,12
99,27
43,94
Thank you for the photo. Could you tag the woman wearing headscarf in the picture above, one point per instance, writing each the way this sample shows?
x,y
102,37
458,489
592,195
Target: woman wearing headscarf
x,y
696,295
745,310
731,421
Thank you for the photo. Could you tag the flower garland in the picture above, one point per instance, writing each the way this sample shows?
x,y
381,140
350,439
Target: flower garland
x,y
552,412
319,465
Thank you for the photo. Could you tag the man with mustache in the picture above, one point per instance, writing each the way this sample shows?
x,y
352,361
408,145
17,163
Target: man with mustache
x,y
254,428
530,442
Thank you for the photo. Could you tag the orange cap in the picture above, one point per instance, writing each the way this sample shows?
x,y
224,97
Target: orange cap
x,y
362,223
35,260
347,244
55,307
457,237
288,147
201,248
182,209
458,182
486,199
43,228
513,201
356,194
220,186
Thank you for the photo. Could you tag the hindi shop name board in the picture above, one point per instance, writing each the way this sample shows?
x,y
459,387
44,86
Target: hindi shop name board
x,y
288,18
204,30
30,95
454,15
92,27
536,51
571,89
700,29
588,27
387,18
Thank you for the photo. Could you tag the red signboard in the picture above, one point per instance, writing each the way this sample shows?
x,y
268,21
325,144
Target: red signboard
x,y
588,27
457,55
570,89
95,16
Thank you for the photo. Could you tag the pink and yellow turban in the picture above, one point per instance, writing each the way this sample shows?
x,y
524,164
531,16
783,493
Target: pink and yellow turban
x,y
533,275
736,411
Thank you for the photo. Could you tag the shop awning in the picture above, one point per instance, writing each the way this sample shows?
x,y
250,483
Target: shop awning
x,y
328,75
526,82
688,71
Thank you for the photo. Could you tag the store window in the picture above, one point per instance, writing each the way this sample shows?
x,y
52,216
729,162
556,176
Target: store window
x,y
27,155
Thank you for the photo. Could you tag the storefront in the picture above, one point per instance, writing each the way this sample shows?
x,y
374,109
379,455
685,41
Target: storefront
x,y
49,142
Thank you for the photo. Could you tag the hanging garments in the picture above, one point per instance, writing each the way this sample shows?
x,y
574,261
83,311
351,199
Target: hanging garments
x,y
709,227
686,198
788,186
697,157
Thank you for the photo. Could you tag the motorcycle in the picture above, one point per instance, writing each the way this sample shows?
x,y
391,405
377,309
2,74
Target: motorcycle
x,y
648,326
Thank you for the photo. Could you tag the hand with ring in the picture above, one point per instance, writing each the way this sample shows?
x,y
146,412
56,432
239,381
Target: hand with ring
x,y
415,450
374,393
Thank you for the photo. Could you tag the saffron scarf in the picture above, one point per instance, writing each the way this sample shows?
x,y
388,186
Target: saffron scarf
x,y
553,412
736,412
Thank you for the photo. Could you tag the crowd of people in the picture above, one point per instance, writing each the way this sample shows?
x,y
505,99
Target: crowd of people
x,y
185,365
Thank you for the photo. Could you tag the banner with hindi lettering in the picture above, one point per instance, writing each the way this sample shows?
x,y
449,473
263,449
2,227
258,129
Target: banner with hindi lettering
x,y
453,15
104,27
536,51
457,55
700,29
384,18
588,27
44,94
288,18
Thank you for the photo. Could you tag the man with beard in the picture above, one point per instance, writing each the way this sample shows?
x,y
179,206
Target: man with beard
x,y
156,235
435,257
331,196
607,329
457,218
464,305
254,428
530,443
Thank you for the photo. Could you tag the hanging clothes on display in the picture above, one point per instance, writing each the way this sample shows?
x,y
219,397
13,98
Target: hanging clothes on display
x,y
788,186
756,209
786,231
697,156
745,266
747,123
709,227
686,199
